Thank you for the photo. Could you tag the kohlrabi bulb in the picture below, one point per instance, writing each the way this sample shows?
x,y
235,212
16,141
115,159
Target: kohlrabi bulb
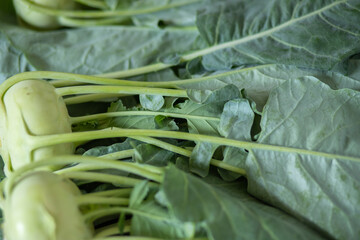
x,y
38,19
32,108
43,206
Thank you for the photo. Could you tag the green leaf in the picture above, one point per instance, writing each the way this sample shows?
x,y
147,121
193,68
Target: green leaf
x,y
237,119
121,223
235,157
258,81
165,123
200,158
182,163
112,4
226,211
12,61
151,102
201,118
150,154
138,121
155,221
159,76
225,93
138,194
103,150
320,186
173,59
96,50
316,34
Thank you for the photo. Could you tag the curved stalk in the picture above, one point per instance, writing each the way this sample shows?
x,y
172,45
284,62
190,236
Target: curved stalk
x,y
85,199
109,178
93,3
93,97
88,166
138,71
120,89
76,120
42,141
123,192
119,155
138,169
76,22
93,215
109,230
187,153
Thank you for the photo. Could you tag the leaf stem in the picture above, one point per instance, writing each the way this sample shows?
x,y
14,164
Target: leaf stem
x,y
90,166
138,169
93,215
93,3
103,177
137,71
120,89
119,155
41,141
76,120
81,22
187,153
109,230
85,199
123,192
93,97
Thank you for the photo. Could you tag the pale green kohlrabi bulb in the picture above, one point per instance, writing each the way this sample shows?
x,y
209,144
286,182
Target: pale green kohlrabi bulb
x,y
43,206
32,108
38,19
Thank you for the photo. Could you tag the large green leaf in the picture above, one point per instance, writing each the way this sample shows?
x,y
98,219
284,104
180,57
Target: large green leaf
x,y
313,177
12,61
98,50
258,81
226,211
309,33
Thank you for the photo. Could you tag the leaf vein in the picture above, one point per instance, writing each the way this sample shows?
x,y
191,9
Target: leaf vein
x,y
336,26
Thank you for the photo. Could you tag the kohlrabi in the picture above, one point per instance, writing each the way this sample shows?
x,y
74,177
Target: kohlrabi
x,y
39,19
31,108
43,206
